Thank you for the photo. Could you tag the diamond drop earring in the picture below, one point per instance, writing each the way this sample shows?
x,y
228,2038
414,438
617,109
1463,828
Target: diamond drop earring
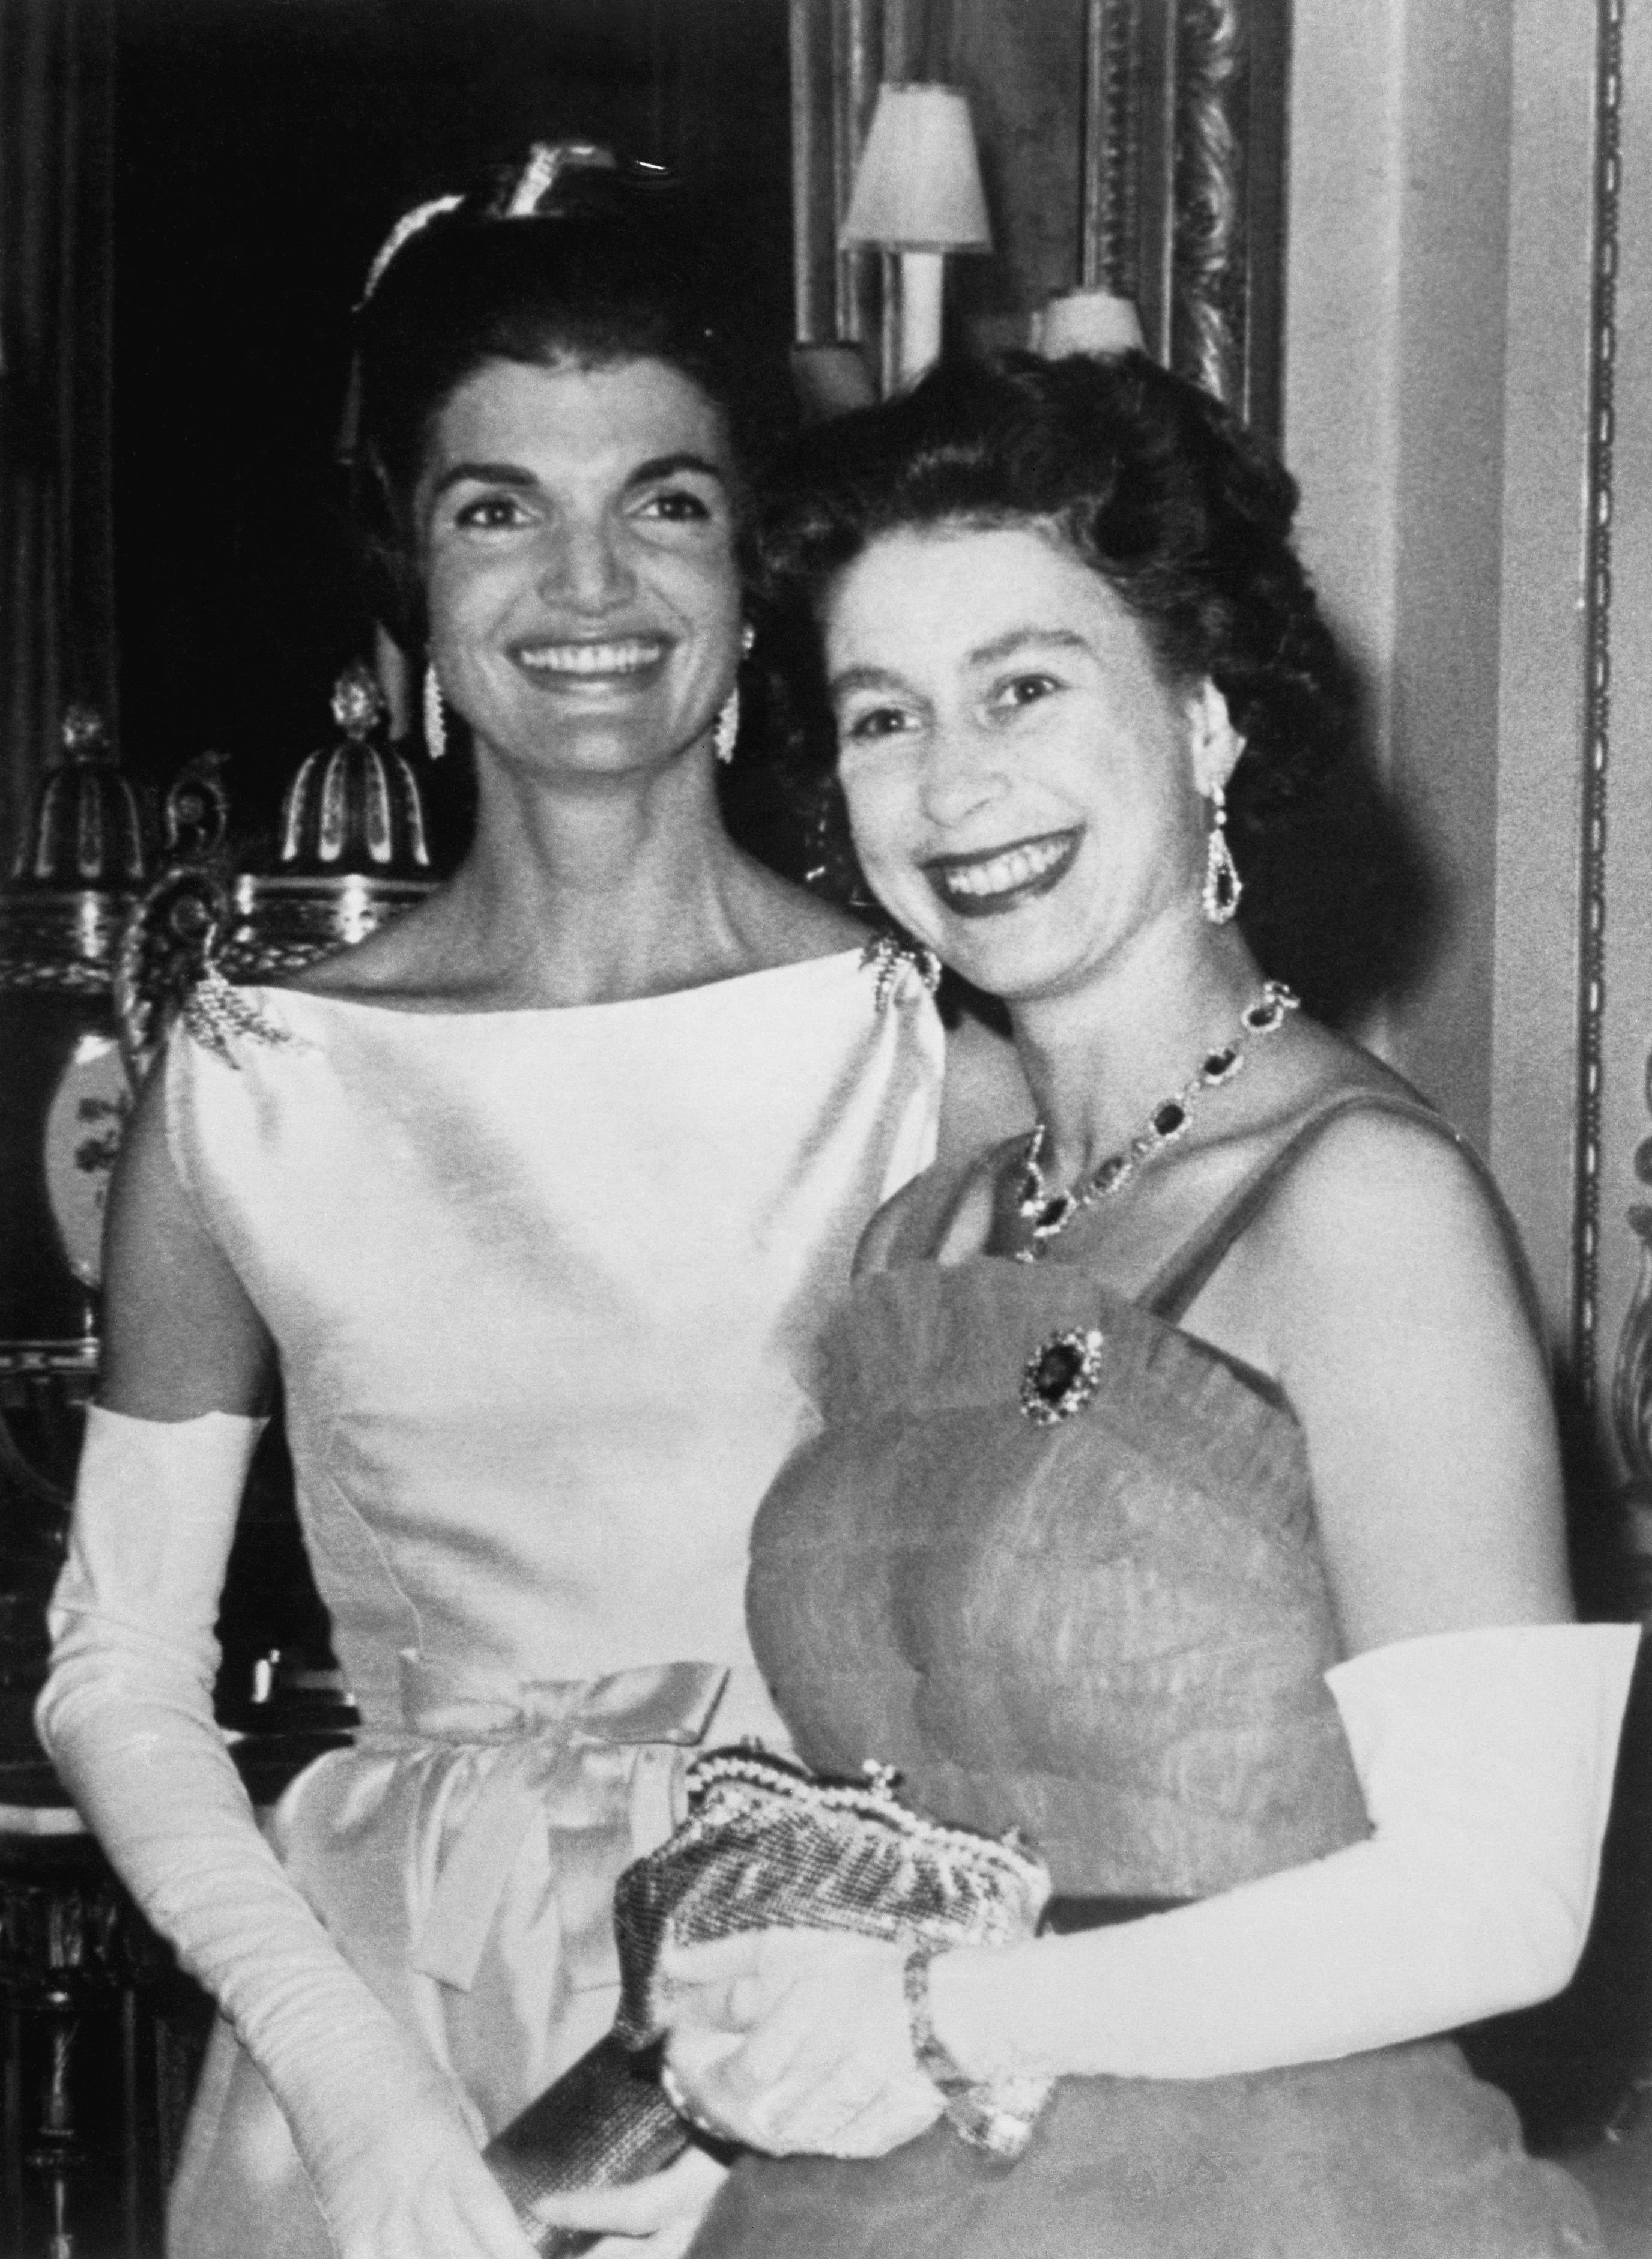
x,y
435,720
726,728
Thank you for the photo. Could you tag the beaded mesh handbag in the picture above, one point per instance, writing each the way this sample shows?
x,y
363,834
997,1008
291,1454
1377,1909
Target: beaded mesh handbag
x,y
766,1845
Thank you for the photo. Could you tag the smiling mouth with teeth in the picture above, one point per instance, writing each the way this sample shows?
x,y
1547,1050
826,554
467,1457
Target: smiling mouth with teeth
x,y
631,656
980,885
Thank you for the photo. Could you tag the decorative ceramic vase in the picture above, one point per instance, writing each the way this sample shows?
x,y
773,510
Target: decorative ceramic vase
x,y
63,1101
64,1098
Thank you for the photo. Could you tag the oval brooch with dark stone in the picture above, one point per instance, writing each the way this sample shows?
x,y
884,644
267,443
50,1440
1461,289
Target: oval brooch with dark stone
x,y
1060,1376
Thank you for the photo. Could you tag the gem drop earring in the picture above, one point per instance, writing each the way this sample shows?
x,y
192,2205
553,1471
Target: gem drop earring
x,y
1222,884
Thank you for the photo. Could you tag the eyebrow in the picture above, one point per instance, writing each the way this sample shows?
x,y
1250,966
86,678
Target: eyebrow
x,y
985,654
667,466
513,475
486,475
1016,639
864,677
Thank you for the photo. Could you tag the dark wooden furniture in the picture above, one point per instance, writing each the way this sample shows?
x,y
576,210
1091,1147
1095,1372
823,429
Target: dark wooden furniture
x,y
102,2035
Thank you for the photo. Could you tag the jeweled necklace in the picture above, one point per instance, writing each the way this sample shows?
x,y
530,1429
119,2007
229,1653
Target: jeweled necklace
x,y
1049,1212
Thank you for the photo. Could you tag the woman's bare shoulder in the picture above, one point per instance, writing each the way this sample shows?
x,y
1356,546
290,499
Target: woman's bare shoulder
x,y
1382,1171
1402,1332
796,925
1374,1206
1387,1264
407,958
180,1335
1370,1191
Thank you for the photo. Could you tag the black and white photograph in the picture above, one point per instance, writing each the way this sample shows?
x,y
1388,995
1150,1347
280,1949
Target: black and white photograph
x,y
825,1129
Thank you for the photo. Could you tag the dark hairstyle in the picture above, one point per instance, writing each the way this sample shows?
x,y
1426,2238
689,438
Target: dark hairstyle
x,y
1154,485
616,261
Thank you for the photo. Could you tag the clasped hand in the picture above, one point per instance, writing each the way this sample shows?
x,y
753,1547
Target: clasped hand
x,y
789,2040
421,2191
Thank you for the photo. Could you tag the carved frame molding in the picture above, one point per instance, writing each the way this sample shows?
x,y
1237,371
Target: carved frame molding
x,y
1631,1378
1180,130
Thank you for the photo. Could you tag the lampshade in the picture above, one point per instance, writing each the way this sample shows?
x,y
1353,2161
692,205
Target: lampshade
x,y
918,187
1088,321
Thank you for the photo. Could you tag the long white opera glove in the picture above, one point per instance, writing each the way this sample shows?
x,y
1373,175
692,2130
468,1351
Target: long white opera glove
x,y
127,1716
1486,1760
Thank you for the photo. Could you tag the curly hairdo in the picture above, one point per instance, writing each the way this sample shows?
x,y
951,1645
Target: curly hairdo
x,y
611,269
1152,483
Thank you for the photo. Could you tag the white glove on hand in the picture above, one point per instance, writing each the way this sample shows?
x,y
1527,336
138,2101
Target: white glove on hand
x,y
1486,1759
127,1717
792,2039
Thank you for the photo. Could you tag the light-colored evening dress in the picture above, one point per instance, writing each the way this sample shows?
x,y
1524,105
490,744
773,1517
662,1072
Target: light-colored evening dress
x,y
545,1288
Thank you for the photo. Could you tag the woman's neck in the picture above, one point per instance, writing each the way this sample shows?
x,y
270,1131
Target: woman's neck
x,y
612,888
1098,1061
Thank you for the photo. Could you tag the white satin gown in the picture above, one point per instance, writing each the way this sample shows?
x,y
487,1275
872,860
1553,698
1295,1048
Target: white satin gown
x,y
545,1288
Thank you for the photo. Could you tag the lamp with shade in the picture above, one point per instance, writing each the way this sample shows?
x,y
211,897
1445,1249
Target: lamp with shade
x,y
918,193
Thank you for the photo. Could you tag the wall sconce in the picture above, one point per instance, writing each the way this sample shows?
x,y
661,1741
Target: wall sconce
x,y
918,193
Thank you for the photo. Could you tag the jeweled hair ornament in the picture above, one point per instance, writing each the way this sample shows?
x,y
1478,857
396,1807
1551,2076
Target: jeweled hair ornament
x,y
519,194
520,198
411,224
547,161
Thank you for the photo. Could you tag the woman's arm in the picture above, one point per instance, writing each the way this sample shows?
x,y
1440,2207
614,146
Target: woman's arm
x,y
179,1335
1396,1322
1486,1761
127,1716
1483,1726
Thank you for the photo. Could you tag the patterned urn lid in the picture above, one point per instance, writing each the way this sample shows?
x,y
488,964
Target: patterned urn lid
x,y
82,859
354,807
350,853
87,828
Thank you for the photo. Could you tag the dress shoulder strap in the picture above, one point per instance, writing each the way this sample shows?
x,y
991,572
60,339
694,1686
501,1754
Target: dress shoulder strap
x,y
1173,1287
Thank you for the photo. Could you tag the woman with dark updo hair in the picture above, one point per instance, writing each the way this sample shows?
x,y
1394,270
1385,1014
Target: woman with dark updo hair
x,y
1154,486
617,264
1187,1494
534,1200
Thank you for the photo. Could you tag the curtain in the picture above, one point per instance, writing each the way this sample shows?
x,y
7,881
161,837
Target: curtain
x,y
57,627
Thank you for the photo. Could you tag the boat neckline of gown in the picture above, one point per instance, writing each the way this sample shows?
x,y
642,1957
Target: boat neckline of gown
x,y
282,991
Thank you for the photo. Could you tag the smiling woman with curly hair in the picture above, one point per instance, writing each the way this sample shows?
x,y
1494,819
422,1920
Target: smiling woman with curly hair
x,y
1187,1494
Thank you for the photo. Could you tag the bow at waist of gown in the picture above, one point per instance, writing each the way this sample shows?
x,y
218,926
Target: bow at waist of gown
x,y
655,1702
599,1763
